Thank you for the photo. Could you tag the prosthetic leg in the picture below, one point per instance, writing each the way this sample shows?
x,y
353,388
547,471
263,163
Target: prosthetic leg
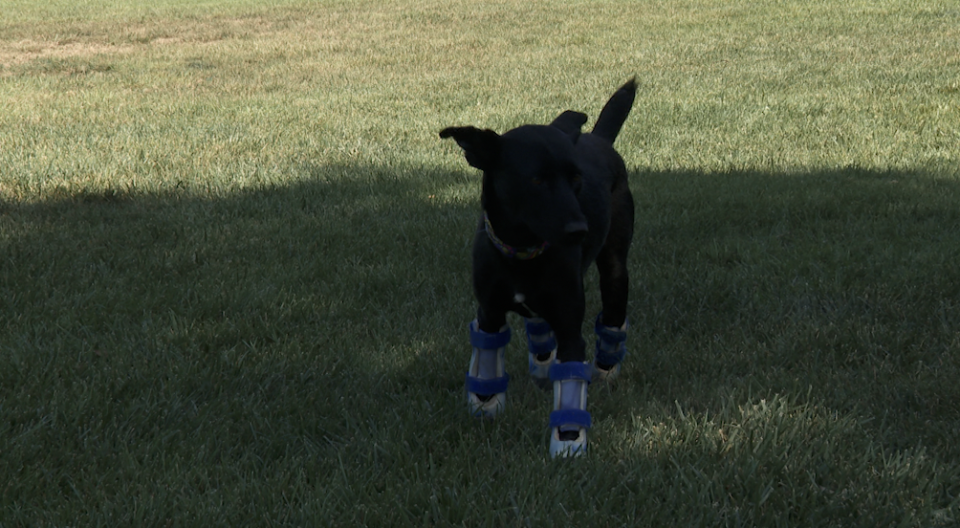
x,y
611,349
543,350
569,420
487,378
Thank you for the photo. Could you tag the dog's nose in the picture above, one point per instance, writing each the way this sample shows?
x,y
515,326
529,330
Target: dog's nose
x,y
574,233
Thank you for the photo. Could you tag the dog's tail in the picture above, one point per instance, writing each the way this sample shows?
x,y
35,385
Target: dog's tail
x,y
615,112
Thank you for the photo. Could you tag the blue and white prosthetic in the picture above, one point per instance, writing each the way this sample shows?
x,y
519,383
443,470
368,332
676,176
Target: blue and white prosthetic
x,y
569,420
542,344
611,349
487,377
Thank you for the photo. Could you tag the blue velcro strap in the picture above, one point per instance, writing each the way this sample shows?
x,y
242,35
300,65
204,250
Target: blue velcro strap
x,y
539,327
483,340
608,334
541,348
609,358
577,417
571,370
487,386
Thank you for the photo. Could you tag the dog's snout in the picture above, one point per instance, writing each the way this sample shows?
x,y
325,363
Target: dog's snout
x,y
574,233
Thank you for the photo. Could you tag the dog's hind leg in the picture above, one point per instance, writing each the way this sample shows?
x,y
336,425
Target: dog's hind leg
x,y
611,325
542,345
610,351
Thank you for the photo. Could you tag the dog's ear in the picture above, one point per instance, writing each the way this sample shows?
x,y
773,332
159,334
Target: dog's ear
x,y
480,147
570,123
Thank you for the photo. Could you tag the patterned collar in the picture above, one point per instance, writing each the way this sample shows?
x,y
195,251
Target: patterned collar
x,y
508,250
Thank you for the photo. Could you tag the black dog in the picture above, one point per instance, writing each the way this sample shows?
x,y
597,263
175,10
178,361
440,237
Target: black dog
x,y
554,201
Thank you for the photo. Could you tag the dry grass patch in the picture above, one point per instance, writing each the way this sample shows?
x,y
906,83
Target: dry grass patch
x,y
20,45
24,51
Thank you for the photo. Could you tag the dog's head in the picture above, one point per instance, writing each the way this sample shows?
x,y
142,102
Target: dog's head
x,y
530,176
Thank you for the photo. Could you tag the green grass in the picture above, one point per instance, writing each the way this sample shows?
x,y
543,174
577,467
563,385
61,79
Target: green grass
x,y
234,263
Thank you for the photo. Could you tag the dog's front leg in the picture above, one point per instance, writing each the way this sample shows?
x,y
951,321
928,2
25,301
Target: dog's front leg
x,y
487,378
563,308
569,419
560,301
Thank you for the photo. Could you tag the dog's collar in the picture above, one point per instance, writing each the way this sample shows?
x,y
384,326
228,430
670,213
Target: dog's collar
x,y
508,250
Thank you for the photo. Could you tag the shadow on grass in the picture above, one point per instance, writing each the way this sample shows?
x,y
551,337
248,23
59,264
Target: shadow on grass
x,y
839,281
299,320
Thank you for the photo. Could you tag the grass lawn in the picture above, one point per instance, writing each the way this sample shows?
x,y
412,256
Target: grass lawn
x,y
235,284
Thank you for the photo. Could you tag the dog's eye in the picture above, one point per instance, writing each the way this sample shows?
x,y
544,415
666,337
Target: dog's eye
x,y
537,181
575,178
